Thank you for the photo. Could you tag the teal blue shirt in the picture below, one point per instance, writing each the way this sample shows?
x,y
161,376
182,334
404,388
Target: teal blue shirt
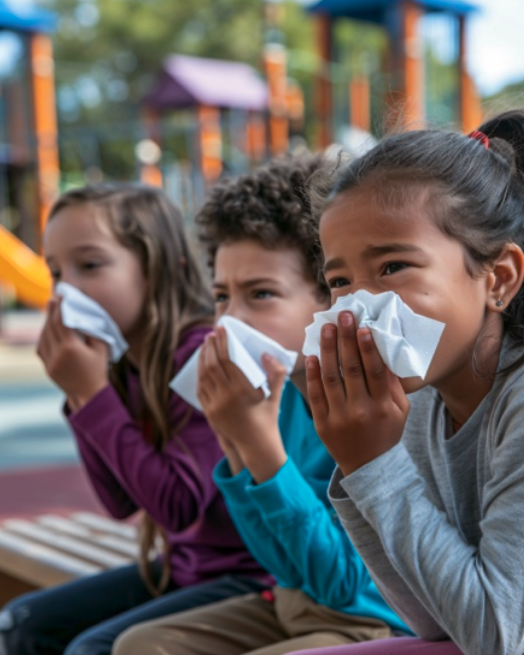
x,y
291,529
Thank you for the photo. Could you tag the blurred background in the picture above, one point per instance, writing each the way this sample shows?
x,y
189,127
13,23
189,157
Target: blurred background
x,y
179,94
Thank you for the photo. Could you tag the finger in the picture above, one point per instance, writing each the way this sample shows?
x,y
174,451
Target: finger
x,y
214,364
42,349
398,395
205,381
100,347
276,375
231,370
331,378
203,396
350,359
376,372
56,318
221,344
315,391
51,326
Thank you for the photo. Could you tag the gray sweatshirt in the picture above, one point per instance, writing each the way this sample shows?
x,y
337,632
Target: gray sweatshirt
x,y
439,520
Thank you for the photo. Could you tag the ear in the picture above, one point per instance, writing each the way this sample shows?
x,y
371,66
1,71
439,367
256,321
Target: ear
x,y
505,279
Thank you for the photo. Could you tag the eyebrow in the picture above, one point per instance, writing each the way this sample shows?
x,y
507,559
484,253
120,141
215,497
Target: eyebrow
x,y
372,252
79,249
247,283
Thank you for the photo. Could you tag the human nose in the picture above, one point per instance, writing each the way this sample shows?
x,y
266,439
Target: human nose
x,y
70,276
237,309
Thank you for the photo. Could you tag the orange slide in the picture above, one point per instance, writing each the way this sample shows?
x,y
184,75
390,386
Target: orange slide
x,y
24,270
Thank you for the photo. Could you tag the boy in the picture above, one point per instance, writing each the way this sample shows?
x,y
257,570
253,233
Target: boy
x,y
263,251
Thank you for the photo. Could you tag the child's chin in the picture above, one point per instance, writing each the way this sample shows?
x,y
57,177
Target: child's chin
x,y
410,385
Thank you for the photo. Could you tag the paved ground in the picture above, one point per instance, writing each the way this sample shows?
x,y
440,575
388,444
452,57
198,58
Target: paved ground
x,y
38,459
32,429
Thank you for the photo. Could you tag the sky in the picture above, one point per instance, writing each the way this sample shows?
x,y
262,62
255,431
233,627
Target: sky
x,y
495,49
495,43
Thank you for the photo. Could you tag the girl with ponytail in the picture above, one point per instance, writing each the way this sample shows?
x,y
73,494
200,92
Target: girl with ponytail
x,y
430,490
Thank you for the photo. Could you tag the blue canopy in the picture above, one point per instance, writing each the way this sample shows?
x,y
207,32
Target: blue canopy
x,y
375,10
22,17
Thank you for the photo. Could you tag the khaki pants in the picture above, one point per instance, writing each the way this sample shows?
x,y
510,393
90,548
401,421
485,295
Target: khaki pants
x,y
250,624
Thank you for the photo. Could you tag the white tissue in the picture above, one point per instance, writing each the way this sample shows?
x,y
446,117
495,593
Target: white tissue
x,y
245,347
82,313
406,341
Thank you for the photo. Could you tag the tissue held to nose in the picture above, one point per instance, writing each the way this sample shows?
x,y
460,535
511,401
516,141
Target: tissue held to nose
x,y
245,347
406,341
82,313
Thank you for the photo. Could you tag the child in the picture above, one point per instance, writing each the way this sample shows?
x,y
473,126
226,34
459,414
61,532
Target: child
x,y
265,260
143,447
432,495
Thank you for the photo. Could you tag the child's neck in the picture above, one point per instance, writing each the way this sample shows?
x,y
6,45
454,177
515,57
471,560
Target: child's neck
x,y
463,392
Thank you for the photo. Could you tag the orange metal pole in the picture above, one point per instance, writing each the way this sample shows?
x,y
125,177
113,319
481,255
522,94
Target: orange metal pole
x,y
323,90
45,124
359,103
470,111
275,65
151,173
256,136
405,97
413,66
210,143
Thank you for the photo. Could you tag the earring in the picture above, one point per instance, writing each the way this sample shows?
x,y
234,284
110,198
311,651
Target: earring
x,y
499,302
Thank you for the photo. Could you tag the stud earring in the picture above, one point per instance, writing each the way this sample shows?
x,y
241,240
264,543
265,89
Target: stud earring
x,y
499,302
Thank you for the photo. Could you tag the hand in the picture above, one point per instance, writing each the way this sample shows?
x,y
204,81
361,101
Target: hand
x,y
238,412
77,364
358,405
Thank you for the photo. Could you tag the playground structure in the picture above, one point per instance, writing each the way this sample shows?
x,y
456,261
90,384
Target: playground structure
x,y
230,102
24,270
204,118
29,170
403,94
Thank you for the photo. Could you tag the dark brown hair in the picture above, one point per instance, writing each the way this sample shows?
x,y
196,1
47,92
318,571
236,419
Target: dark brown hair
x,y
477,194
147,223
269,205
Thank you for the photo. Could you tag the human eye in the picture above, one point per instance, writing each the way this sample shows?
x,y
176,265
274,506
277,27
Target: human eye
x,y
90,265
338,282
394,267
263,294
55,275
220,297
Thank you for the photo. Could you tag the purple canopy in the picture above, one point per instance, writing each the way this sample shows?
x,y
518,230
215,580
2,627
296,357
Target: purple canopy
x,y
189,81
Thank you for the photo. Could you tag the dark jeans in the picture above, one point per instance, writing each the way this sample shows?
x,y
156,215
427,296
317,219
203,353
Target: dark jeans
x,y
86,616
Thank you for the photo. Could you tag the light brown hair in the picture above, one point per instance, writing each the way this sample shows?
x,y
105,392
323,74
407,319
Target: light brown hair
x,y
145,221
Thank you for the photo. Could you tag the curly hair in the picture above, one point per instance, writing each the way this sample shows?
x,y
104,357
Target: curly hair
x,y
269,205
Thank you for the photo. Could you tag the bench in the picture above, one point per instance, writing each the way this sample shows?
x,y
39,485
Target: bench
x,y
50,549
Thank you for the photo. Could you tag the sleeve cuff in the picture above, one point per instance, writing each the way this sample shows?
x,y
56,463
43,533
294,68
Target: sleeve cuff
x,y
286,491
232,487
94,417
377,480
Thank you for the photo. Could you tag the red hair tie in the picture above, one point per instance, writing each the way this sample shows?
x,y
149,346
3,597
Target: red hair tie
x,y
481,137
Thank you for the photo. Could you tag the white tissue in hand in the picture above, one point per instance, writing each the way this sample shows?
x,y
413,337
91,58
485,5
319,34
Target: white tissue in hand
x,y
406,341
82,313
245,347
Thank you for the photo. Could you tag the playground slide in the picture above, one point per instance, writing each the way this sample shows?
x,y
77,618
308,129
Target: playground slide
x,y
24,270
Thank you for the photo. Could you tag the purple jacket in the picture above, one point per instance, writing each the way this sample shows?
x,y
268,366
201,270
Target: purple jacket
x,y
176,486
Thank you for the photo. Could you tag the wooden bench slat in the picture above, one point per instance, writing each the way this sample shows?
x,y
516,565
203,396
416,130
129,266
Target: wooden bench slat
x,y
68,544
106,525
111,541
64,525
40,565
